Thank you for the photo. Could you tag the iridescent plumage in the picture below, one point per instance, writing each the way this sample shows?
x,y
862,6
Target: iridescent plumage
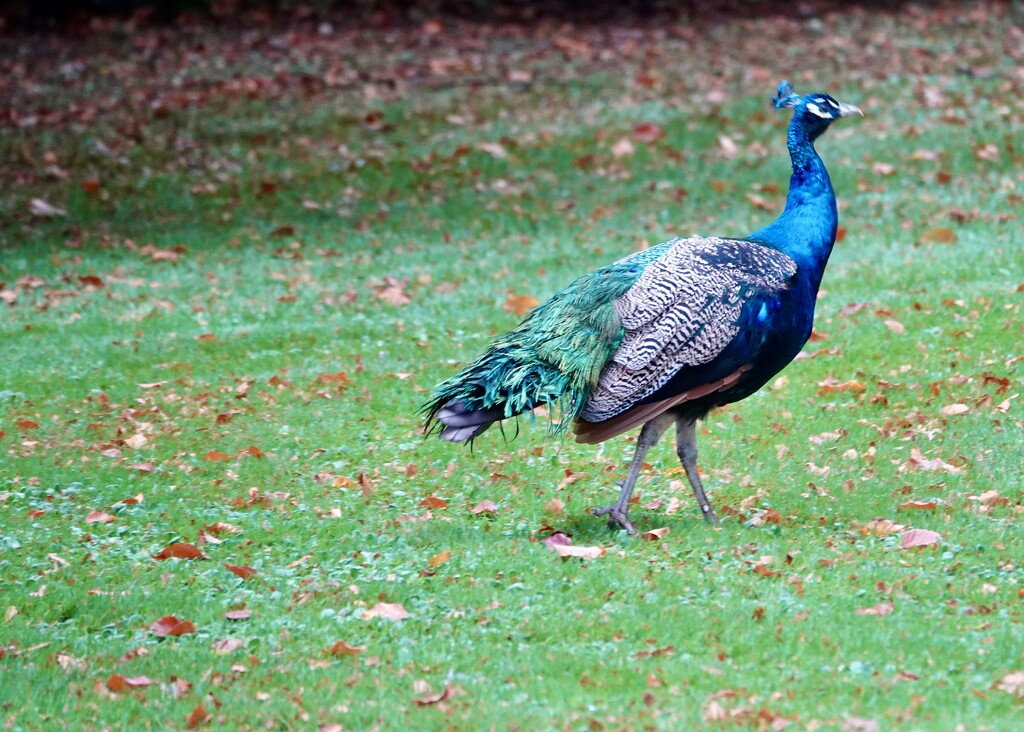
x,y
667,334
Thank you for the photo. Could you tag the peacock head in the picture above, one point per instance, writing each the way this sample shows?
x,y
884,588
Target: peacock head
x,y
814,112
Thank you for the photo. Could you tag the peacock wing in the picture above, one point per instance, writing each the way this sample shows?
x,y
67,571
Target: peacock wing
x,y
683,311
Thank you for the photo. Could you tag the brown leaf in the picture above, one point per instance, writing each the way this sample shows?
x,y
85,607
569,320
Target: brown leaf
x,y
226,645
623,148
655,534
647,132
484,507
433,502
386,610
427,699
938,235
917,505
440,558
895,326
170,625
251,451
27,424
215,456
556,507
881,527
919,537
1012,683
880,610
98,517
727,147
920,462
240,614
493,149
833,386
341,648
223,527
563,547
242,570
197,717
953,409
137,441
519,304
117,682
180,550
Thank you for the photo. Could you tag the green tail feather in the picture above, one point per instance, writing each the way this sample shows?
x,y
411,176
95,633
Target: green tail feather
x,y
554,357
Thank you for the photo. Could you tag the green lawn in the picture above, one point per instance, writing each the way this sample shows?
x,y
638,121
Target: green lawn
x,y
273,245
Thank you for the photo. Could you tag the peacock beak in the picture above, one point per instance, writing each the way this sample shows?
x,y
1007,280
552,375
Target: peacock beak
x,y
848,110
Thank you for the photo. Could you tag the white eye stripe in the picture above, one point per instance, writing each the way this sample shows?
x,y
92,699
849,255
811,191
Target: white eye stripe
x,y
818,111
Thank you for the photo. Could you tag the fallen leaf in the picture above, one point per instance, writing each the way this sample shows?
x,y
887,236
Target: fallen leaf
x,y
833,386
895,326
990,498
99,517
428,699
647,132
27,424
341,648
881,527
918,506
655,534
493,149
484,507
940,235
622,148
223,527
243,571
727,147
440,558
40,208
556,507
433,502
241,614
563,547
880,610
117,682
137,441
170,625
919,537
215,456
1012,683
856,724
386,610
519,304
918,461
226,645
180,550
197,717
951,409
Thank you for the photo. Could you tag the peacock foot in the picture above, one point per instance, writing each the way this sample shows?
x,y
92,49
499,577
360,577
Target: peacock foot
x,y
617,517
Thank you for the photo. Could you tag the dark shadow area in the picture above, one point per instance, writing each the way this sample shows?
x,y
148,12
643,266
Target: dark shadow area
x,y
77,15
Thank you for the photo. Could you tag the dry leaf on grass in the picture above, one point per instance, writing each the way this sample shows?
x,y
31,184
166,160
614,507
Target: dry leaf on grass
x,y
387,610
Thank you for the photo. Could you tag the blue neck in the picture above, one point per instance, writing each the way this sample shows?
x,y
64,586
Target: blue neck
x,y
806,230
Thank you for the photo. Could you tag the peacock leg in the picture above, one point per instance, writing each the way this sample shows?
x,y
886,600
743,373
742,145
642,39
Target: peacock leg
x,y
618,512
686,449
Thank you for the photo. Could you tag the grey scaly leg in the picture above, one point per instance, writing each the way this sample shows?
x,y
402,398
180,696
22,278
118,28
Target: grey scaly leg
x,y
618,512
686,449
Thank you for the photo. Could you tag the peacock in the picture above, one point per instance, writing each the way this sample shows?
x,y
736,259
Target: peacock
x,y
666,334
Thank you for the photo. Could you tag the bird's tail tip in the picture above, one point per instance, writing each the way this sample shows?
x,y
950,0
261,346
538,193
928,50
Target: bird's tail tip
x,y
460,422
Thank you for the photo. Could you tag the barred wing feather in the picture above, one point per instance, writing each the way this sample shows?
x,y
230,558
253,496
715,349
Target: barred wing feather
x,y
683,311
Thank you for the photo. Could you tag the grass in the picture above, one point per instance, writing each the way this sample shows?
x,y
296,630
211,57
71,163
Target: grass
x,y
252,246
